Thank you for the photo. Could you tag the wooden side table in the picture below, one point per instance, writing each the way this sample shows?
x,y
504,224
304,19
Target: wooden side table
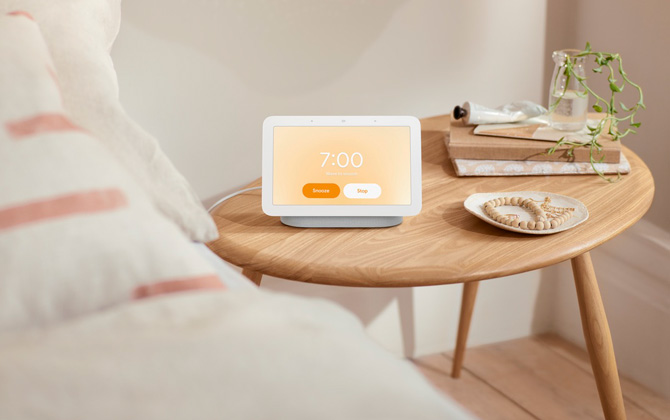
x,y
445,244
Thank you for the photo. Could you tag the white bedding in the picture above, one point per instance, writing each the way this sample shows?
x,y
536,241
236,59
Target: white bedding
x,y
212,355
229,276
237,353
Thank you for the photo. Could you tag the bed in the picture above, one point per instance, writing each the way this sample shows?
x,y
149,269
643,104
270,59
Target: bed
x,y
111,306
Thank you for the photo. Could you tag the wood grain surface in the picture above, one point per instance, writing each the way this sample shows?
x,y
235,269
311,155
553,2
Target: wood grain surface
x,y
598,338
444,243
480,398
254,276
467,307
634,393
535,376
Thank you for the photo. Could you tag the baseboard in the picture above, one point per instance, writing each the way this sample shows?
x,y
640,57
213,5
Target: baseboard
x,y
643,251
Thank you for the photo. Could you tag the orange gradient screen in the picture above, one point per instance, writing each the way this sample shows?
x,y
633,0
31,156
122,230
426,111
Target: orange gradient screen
x,y
341,165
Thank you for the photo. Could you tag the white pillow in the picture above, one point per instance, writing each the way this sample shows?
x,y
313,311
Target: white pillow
x,y
79,34
77,234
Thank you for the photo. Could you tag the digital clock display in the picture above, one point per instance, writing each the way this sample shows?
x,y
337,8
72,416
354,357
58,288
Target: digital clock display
x,y
341,165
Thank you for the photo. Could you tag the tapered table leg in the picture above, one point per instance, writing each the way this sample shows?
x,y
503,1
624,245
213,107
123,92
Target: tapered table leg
x,y
467,305
254,276
598,338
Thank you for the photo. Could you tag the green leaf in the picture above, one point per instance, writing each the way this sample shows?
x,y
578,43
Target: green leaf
x,y
637,124
597,108
615,88
588,47
624,107
598,70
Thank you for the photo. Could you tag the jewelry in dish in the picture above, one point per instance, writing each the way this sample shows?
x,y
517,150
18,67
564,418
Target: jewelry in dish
x,y
554,206
546,216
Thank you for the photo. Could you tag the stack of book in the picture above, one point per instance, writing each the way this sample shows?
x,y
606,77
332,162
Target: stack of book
x,y
521,149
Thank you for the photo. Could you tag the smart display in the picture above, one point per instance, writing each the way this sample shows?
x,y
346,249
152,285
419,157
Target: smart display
x,y
341,166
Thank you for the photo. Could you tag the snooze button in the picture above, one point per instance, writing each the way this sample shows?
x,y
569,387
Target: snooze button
x,y
321,190
369,191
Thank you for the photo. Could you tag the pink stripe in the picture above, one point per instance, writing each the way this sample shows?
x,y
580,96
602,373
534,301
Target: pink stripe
x,y
207,281
21,13
39,124
66,205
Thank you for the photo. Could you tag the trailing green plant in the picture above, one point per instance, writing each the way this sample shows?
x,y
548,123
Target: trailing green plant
x,y
613,65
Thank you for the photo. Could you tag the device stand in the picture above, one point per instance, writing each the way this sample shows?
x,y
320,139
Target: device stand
x,y
341,221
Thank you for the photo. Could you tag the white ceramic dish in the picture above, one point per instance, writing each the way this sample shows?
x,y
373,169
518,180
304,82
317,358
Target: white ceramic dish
x,y
475,205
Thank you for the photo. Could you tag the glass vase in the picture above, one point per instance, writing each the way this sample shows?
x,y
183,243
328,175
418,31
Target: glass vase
x,y
568,100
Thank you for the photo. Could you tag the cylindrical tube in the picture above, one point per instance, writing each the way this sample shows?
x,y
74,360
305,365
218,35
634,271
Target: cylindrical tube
x,y
516,111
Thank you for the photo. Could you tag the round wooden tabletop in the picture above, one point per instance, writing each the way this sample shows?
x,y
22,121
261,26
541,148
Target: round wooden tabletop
x,y
444,243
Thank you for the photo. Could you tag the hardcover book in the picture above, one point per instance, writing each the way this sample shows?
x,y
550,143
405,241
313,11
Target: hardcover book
x,y
463,143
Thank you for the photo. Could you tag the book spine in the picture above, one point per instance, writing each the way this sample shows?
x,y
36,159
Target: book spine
x,y
580,154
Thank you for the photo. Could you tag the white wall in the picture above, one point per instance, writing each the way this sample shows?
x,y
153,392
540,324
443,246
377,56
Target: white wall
x,y
202,75
640,33
633,269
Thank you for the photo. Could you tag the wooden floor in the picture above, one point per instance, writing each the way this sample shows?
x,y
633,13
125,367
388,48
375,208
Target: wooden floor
x,y
539,377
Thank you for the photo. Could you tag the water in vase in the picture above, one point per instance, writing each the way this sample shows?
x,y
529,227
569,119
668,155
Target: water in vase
x,y
570,113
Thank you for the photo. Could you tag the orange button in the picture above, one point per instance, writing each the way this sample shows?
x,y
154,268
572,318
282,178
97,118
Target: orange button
x,y
321,190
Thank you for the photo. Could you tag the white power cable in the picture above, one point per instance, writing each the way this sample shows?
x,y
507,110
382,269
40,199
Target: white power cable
x,y
215,205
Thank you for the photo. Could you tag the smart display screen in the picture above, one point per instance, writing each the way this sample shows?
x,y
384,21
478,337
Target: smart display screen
x,y
341,166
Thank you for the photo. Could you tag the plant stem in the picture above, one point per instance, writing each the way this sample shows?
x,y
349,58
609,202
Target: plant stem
x,y
601,59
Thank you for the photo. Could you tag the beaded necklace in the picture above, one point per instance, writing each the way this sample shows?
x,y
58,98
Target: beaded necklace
x,y
546,216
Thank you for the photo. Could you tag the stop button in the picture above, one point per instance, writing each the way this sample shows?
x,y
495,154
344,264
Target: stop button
x,y
369,191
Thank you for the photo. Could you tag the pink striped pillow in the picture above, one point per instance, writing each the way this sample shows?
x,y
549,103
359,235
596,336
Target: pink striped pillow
x,y
77,234
79,35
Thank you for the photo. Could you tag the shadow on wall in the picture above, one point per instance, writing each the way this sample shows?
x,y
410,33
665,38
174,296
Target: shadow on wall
x,y
306,44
